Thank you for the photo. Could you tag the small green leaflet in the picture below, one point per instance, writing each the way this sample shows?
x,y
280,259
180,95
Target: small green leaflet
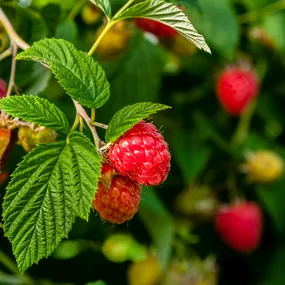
x,y
127,117
82,78
104,5
37,110
52,185
170,15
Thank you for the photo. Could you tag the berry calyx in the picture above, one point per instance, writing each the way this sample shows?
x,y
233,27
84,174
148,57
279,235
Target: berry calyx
x,y
158,29
3,88
240,225
117,197
236,88
263,166
142,155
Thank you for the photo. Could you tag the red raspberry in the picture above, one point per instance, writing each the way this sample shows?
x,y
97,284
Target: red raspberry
x,y
3,88
240,226
160,30
117,197
142,155
236,88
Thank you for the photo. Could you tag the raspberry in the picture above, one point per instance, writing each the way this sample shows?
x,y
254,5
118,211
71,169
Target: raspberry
x,y
236,88
5,137
142,155
240,226
160,30
117,197
3,88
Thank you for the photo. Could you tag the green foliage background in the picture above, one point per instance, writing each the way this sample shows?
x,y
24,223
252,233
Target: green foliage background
x,y
198,131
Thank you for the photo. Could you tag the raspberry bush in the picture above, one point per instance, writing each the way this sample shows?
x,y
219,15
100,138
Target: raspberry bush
x,y
102,182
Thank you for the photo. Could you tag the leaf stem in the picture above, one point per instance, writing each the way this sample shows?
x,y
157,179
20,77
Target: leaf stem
x,y
13,70
104,32
6,53
265,11
123,8
100,125
243,126
76,123
80,110
75,10
92,115
9,264
15,38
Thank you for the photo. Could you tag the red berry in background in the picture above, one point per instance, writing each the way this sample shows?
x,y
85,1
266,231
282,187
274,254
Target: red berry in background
x,y
117,197
240,226
3,88
236,88
160,30
142,155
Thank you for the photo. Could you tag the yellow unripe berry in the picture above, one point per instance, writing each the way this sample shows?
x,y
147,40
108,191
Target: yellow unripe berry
x,y
30,138
91,14
114,42
263,166
147,272
182,47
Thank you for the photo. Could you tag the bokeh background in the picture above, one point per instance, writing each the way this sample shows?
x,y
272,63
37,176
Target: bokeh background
x,y
177,234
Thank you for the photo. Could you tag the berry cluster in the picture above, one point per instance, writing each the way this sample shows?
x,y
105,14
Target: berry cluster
x,y
139,157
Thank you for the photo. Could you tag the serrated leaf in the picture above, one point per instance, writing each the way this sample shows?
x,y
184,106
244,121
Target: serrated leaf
x,y
127,117
169,15
52,185
81,77
104,5
37,110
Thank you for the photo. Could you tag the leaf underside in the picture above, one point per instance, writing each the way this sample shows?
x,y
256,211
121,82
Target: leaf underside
x,y
168,14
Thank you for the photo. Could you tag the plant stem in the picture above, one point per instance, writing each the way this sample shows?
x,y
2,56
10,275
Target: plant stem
x,y
267,10
13,70
80,110
123,8
9,264
76,9
104,32
6,53
76,123
243,126
92,115
103,126
11,32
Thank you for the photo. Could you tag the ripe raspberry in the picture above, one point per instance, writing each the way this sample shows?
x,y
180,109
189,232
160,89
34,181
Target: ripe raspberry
x,y
142,155
236,88
160,30
263,166
117,197
240,226
3,88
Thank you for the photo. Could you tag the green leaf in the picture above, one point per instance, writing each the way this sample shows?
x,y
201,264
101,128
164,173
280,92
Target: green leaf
x,y
159,224
104,5
169,15
52,185
127,117
67,30
219,25
82,78
37,110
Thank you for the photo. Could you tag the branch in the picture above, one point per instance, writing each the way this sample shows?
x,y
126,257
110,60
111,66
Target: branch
x,y
13,71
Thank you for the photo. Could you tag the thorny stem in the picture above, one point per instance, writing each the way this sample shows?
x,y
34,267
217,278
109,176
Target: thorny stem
x,y
13,70
267,10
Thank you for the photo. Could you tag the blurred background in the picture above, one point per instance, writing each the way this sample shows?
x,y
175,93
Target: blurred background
x,y
172,239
